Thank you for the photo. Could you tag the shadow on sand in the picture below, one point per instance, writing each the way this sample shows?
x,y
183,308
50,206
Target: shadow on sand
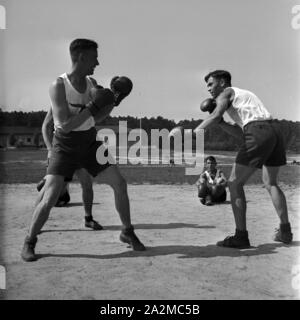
x,y
76,204
139,226
184,252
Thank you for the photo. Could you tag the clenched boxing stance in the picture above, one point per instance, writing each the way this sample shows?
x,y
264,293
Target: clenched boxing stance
x,y
76,100
262,147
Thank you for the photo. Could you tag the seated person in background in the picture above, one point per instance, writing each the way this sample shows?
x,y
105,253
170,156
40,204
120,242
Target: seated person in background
x,y
212,183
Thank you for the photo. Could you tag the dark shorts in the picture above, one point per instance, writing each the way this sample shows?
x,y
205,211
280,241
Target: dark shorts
x,y
263,145
66,179
205,189
75,150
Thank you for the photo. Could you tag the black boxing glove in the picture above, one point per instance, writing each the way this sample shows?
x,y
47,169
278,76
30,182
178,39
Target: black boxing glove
x,y
121,87
101,97
208,105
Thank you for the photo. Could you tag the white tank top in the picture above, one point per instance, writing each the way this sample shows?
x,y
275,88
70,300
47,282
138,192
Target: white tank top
x,y
247,107
75,97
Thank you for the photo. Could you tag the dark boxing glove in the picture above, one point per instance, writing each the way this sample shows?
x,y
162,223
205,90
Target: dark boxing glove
x,y
101,97
208,105
121,87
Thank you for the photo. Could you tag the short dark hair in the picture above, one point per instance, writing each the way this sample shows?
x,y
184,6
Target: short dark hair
x,y
79,45
219,74
211,158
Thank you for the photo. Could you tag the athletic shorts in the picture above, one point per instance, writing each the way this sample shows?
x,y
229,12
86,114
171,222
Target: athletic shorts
x,y
74,150
263,145
66,179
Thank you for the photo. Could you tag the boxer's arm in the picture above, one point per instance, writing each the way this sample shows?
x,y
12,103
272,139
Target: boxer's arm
x,y
106,110
61,114
104,113
47,129
223,101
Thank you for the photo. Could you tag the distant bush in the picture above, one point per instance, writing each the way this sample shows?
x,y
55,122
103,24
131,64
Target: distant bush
x,y
215,137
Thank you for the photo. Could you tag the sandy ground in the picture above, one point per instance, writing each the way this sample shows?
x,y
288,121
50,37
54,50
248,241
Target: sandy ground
x,y
181,261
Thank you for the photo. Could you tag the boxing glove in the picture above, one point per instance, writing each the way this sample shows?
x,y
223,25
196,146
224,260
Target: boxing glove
x,y
121,87
101,97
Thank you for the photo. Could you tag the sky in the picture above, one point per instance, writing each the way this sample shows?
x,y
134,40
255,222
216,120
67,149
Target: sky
x,y
165,46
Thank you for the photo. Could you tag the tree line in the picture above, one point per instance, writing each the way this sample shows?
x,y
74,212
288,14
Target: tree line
x,y
215,137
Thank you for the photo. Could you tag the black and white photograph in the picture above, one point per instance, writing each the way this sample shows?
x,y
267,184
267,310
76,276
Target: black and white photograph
x,y
149,151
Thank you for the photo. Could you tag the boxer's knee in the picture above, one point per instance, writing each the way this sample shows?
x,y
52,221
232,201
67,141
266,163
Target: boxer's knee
x,y
121,184
234,184
118,184
52,190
